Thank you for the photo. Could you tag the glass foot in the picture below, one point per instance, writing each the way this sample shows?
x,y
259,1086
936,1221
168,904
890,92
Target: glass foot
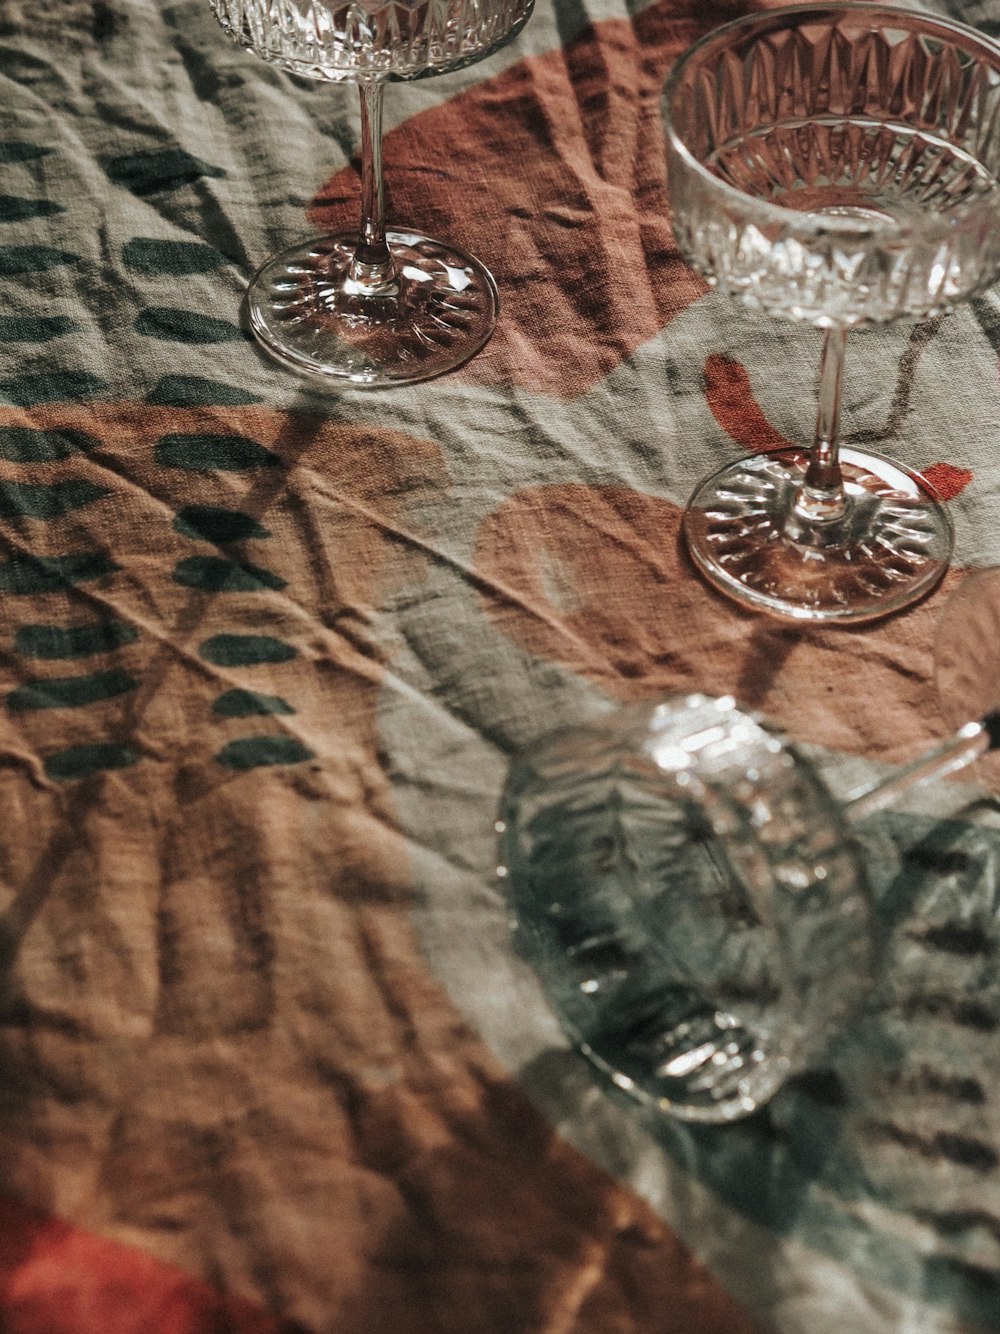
x,y
443,312
890,549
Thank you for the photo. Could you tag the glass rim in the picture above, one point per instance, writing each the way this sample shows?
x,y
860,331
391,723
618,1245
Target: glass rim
x,y
849,228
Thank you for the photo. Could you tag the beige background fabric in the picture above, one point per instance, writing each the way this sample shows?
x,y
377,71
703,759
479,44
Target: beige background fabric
x,y
268,1059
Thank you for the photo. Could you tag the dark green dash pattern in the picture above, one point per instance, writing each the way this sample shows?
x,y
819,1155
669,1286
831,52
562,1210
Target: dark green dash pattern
x,y
29,444
185,326
214,574
208,453
34,328
21,151
33,500
82,761
62,642
24,575
151,170
26,391
245,650
70,692
150,256
16,259
194,391
15,208
248,704
253,752
212,523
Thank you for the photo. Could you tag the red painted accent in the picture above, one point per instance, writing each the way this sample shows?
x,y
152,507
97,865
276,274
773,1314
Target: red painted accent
x,y
947,480
59,1279
730,397
578,235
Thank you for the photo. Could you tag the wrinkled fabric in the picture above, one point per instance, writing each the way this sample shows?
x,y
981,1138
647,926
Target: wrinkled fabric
x,y
268,1061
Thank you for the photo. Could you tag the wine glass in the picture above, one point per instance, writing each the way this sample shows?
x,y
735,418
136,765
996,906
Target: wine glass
x,y
836,166
375,307
694,898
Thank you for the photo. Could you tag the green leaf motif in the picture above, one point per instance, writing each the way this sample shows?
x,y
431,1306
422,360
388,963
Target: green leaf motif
x,y
70,692
20,151
151,170
56,642
215,575
24,575
26,391
34,328
14,208
32,500
245,650
193,391
211,523
173,325
82,761
28,444
147,255
254,752
15,259
249,703
206,453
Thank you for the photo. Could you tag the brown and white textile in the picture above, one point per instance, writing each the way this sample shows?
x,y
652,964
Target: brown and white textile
x,y
267,1060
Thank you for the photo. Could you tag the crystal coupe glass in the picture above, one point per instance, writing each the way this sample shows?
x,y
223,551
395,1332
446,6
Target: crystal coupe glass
x,y
836,166
693,897
375,307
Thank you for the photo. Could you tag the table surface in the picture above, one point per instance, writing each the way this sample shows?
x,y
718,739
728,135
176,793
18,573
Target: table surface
x,y
267,1058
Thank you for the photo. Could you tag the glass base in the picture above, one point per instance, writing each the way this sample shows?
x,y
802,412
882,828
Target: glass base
x,y
443,311
890,549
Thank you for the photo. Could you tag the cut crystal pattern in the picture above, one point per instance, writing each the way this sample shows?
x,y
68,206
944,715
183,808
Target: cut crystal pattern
x,y
297,309
399,39
841,169
682,882
736,528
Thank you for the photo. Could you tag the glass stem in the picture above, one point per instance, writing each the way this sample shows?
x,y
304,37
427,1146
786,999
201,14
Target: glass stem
x,y
372,272
968,744
822,498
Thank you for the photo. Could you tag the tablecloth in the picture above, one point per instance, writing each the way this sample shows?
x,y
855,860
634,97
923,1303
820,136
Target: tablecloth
x,y
268,1060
